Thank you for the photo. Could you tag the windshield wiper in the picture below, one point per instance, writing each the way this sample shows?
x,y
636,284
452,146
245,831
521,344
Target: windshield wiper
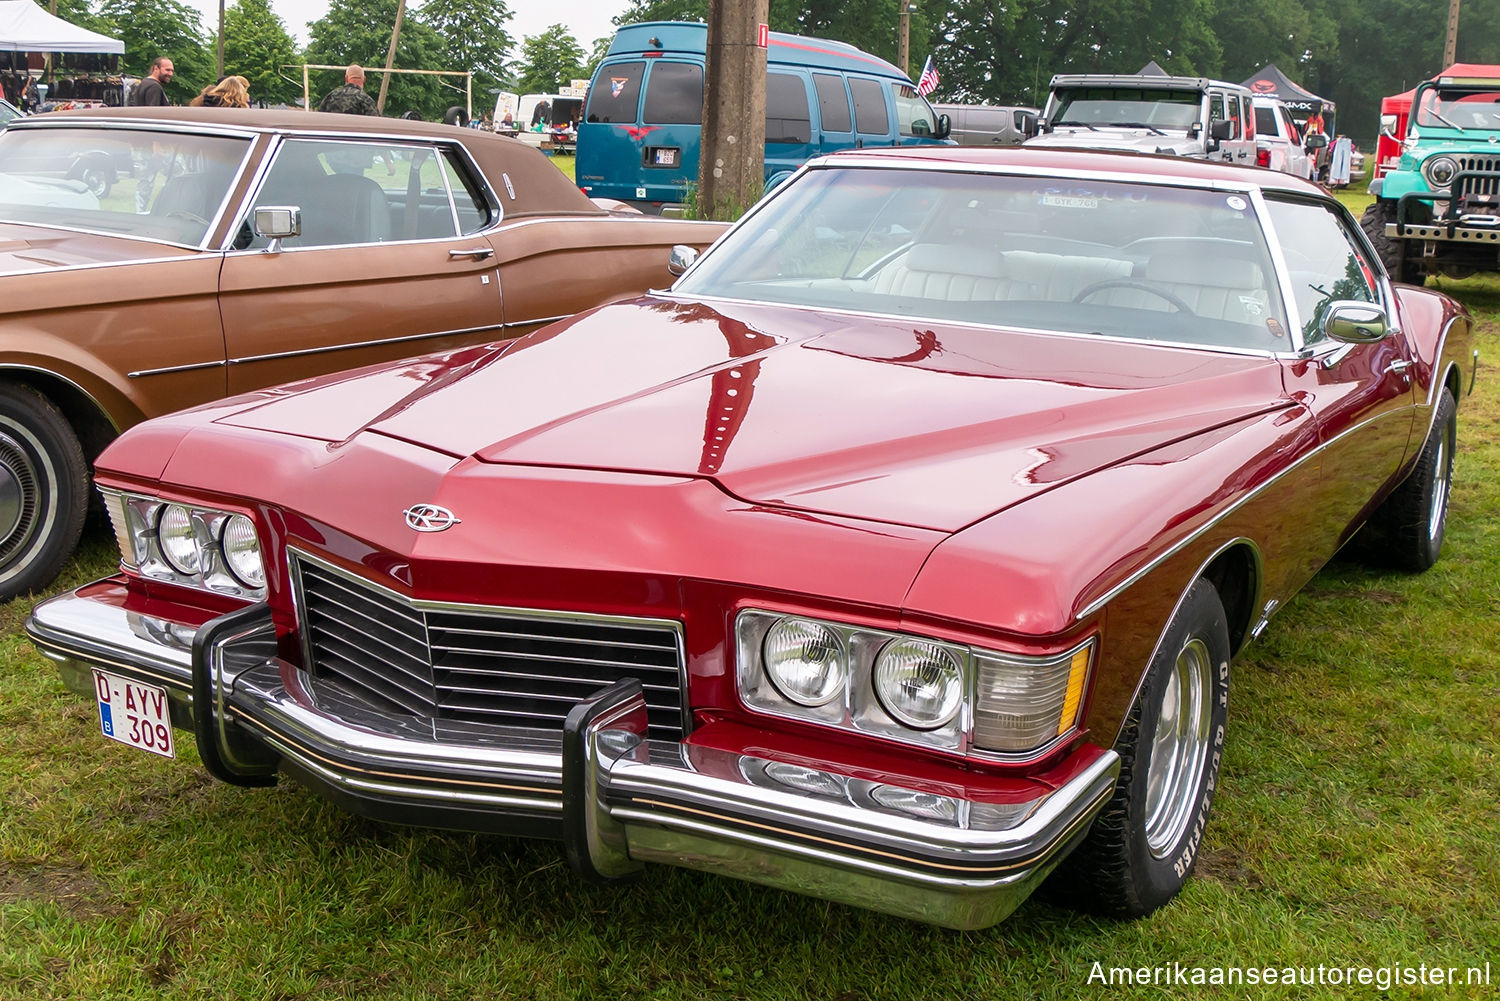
x,y
1451,125
1141,125
1082,125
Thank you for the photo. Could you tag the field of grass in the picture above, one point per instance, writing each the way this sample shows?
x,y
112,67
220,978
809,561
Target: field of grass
x,y
1357,826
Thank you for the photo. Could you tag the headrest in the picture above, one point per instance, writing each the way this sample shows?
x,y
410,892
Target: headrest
x,y
956,259
1189,269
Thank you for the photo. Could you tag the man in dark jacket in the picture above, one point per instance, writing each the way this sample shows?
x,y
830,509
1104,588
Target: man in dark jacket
x,y
149,93
350,99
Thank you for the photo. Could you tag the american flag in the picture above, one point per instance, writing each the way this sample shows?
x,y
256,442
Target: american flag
x,y
928,81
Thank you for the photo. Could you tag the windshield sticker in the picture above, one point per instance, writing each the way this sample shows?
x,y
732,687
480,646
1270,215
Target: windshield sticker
x,y
1237,203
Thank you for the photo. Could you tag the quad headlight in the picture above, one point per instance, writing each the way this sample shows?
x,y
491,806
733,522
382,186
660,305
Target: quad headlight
x,y
187,544
914,689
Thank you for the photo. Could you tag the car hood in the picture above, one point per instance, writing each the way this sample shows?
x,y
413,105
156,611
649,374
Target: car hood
x,y
880,419
1118,140
26,249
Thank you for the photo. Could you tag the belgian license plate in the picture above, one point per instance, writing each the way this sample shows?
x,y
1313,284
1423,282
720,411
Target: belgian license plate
x,y
134,714
666,158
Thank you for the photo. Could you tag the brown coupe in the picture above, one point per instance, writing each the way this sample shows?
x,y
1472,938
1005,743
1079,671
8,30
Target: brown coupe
x,y
209,252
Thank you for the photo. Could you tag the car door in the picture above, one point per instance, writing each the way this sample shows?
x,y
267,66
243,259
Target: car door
x,y
383,267
1361,395
872,118
836,123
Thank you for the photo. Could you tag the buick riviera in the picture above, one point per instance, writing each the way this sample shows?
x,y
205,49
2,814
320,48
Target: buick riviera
x,y
155,259
898,554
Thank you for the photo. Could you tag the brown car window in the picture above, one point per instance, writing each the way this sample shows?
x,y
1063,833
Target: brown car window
x,y
1323,259
469,203
353,193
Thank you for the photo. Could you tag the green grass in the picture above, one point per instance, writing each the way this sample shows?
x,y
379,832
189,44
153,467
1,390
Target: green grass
x,y
1357,825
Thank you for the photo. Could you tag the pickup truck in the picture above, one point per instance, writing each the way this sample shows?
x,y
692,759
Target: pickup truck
x,y
1278,141
1186,116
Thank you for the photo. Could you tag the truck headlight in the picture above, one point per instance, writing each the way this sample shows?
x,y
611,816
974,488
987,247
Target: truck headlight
x,y
1440,171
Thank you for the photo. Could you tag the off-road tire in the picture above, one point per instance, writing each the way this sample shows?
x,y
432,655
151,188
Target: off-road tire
x,y
1409,524
1115,870
44,490
1392,251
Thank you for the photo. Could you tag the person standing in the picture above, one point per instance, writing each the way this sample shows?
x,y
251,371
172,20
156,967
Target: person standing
x,y
151,92
350,99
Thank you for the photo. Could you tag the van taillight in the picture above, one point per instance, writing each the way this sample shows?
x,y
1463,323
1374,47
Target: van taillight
x,y
1262,157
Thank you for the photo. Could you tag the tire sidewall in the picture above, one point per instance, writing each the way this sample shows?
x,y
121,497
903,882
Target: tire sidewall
x,y
1443,433
1158,879
31,422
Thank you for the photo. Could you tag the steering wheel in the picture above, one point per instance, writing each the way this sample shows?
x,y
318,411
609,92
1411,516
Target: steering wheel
x,y
190,216
1135,283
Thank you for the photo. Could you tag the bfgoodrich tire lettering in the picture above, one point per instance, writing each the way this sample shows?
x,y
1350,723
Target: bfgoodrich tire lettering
x,y
43,490
1144,843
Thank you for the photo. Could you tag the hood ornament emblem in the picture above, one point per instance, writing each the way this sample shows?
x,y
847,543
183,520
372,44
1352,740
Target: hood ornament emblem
x,y
429,518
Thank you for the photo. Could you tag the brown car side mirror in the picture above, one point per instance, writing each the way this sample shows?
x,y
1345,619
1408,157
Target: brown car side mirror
x,y
276,223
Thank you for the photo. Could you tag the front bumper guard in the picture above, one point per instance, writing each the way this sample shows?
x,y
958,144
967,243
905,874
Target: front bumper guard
x,y
1468,227
615,798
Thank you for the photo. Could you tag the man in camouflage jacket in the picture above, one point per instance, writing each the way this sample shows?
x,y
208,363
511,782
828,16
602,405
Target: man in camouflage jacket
x,y
350,99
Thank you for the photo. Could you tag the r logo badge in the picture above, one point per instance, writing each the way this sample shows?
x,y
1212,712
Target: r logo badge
x,y
429,518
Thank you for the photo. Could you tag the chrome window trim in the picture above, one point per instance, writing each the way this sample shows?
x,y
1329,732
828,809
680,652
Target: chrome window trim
x,y
296,552
247,201
137,125
226,202
1203,529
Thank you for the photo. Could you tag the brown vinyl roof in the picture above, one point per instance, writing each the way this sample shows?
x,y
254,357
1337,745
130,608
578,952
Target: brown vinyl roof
x,y
539,186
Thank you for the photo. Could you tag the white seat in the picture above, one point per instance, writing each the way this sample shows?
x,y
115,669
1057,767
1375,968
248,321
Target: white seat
x,y
950,271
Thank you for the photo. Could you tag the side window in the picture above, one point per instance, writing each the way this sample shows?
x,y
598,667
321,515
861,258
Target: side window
x,y
913,115
1215,108
1265,121
833,103
615,93
870,117
1244,127
674,95
1325,262
351,192
469,204
787,115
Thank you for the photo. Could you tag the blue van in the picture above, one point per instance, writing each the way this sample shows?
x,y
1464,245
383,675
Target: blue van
x,y
638,140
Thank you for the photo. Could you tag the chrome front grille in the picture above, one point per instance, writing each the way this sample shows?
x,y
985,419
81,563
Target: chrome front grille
x,y
1480,185
478,664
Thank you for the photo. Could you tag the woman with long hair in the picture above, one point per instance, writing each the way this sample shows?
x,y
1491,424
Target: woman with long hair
x,y
229,92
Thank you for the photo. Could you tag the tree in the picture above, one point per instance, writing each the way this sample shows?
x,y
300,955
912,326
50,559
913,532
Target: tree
x,y
549,61
153,28
473,38
258,47
359,31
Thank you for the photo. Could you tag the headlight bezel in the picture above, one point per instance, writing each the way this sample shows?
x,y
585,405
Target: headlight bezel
x,y
863,711
1441,164
137,517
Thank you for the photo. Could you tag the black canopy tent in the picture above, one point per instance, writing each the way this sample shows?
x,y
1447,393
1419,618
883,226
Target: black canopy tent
x,y
1269,81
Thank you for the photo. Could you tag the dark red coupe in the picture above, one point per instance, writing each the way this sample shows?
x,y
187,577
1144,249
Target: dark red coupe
x,y
897,555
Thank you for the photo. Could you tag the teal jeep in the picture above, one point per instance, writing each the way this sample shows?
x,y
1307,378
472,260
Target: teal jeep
x,y
1438,211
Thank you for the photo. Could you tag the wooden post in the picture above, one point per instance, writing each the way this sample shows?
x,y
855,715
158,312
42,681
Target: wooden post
x,y
306,96
732,153
390,58
1450,43
221,39
903,39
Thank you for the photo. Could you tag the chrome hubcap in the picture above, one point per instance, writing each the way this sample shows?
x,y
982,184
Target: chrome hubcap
x,y
17,495
1439,489
1179,748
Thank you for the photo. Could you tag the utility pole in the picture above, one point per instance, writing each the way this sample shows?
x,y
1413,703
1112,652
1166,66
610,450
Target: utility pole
x,y
390,58
1450,44
732,151
903,40
221,39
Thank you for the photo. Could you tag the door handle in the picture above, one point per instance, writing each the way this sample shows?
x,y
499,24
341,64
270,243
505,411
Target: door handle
x,y
1398,366
473,253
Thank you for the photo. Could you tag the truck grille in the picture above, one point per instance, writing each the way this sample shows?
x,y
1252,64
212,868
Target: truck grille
x,y
1480,185
510,666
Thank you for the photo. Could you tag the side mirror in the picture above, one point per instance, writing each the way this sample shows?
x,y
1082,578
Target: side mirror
x,y
1352,322
1221,130
681,258
277,223
1316,141
1029,124
944,127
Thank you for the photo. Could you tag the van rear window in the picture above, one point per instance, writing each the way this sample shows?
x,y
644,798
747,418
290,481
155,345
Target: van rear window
x,y
615,93
833,103
787,118
674,95
869,107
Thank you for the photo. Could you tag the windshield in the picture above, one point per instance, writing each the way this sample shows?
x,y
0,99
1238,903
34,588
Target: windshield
x,y
1465,108
1165,109
1033,252
155,185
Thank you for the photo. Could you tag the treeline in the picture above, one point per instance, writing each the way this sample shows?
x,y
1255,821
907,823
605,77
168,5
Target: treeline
x,y
1353,52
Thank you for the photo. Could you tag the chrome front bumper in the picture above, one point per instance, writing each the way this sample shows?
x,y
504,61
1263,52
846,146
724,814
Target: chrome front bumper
x,y
615,798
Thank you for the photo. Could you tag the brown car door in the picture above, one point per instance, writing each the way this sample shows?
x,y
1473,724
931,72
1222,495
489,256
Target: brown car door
x,y
382,268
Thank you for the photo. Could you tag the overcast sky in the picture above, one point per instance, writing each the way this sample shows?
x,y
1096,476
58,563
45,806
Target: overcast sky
x,y
587,19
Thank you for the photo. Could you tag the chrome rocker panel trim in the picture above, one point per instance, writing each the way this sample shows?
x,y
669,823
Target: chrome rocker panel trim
x,y
615,799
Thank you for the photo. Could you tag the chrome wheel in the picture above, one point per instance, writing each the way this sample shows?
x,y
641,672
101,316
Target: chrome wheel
x,y
19,491
1179,748
1442,470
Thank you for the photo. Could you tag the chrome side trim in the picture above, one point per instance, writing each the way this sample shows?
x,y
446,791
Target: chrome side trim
x,y
325,349
194,367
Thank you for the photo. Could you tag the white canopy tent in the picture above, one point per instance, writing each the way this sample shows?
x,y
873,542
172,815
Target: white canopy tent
x,y
26,27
